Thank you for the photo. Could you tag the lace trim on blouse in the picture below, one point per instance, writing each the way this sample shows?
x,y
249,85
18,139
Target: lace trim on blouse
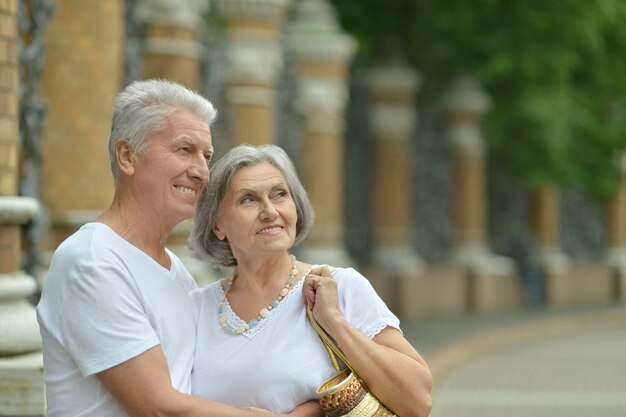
x,y
235,321
378,327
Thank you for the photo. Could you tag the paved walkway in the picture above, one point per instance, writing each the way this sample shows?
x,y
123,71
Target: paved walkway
x,y
538,362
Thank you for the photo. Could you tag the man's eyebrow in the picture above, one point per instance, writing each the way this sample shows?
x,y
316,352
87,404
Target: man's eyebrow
x,y
187,140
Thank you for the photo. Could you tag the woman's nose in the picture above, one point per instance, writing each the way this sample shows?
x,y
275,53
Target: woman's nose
x,y
268,210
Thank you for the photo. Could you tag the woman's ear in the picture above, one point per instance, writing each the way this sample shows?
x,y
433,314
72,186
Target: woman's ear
x,y
125,156
218,232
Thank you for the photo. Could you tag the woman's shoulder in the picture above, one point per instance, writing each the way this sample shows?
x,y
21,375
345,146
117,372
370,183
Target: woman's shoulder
x,y
346,273
342,275
337,272
206,291
349,279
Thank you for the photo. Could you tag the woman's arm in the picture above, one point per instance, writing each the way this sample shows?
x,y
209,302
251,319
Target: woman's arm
x,y
390,367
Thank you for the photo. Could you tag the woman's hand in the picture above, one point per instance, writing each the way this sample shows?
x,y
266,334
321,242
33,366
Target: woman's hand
x,y
320,295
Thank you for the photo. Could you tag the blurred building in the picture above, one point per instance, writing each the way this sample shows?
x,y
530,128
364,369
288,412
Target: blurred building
x,y
409,204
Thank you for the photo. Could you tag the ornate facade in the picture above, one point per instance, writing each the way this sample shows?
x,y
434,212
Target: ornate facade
x,y
84,69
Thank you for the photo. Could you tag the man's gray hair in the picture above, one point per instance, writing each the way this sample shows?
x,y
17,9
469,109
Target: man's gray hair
x,y
141,110
203,242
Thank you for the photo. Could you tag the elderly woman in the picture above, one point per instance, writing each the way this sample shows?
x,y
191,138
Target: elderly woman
x,y
255,346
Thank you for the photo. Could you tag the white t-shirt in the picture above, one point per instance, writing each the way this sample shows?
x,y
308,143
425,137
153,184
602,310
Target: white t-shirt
x,y
278,364
105,301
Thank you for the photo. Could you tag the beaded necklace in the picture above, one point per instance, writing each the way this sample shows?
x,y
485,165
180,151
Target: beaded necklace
x,y
265,311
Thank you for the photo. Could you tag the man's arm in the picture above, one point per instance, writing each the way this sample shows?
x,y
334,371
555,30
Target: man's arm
x,y
308,409
143,387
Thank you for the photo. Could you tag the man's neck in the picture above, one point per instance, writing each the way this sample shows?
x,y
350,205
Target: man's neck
x,y
138,231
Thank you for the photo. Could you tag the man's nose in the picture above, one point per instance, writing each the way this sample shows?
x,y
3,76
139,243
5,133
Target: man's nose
x,y
200,169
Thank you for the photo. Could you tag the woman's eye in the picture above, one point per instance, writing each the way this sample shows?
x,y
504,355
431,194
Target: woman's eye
x,y
246,200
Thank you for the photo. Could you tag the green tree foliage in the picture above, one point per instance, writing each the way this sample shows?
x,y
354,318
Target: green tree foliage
x,y
554,70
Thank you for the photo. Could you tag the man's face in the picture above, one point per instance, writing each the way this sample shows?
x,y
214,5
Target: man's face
x,y
173,169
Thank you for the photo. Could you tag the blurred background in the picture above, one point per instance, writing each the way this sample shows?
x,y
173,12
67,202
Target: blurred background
x,y
469,157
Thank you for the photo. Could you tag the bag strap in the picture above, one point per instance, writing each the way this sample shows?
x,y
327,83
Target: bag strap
x,y
334,352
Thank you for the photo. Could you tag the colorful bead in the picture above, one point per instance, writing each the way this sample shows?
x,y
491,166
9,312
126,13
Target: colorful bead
x,y
227,285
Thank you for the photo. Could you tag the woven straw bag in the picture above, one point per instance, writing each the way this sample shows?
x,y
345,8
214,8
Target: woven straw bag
x,y
344,394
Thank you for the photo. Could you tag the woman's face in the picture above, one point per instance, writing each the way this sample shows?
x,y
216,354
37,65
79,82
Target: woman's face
x,y
258,215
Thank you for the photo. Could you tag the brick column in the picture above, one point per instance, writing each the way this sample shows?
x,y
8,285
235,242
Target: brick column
x,y
82,76
392,119
172,49
463,105
21,364
322,54
254,54
545,216
491,282
396,266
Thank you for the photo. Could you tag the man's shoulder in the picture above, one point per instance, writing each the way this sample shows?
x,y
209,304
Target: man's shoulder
x,y
91,242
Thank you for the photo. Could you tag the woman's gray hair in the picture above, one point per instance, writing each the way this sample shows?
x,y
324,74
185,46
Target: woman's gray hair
x,y
203,242
141,110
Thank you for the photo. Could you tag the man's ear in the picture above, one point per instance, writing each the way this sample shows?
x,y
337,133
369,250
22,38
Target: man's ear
x,y
125,156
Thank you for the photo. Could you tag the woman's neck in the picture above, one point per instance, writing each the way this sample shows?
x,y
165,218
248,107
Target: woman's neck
x,y
258,274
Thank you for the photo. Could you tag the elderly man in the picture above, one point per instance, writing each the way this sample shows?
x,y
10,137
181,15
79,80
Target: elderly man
x,y
115,318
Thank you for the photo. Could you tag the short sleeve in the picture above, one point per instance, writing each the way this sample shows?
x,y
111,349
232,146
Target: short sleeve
x,y
361,305
102,323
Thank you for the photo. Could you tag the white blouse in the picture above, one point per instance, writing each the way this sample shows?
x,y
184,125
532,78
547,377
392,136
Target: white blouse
x,y
278,364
